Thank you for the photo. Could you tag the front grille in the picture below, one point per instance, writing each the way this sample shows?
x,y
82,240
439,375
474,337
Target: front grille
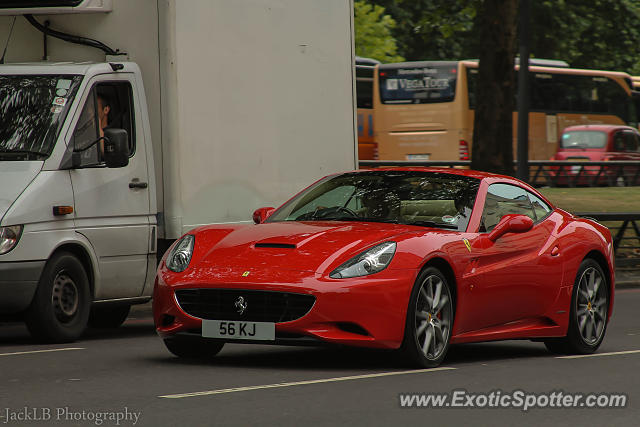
x,y
261,306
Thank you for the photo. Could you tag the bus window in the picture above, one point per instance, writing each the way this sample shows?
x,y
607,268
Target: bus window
x,y
367,148
423,84
364,87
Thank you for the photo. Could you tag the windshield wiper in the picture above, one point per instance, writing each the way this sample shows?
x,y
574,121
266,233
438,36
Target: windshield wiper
x,y
363,219
432,224
28,153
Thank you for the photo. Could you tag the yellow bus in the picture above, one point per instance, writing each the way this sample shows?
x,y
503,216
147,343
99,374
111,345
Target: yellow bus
x,y
425,110
367,148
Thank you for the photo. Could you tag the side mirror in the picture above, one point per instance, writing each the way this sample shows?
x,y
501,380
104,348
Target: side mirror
x,y
116,148
261,214
511,223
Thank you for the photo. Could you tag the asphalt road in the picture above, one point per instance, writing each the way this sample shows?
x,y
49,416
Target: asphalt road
x,y
128,371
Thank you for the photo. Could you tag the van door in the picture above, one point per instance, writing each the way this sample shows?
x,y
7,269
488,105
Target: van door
x,y
112,205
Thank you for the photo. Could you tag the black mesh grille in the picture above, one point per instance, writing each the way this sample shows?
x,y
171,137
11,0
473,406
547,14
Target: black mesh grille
x,y
261,306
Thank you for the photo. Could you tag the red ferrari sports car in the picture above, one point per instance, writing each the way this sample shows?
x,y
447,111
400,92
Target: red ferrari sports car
x,y
412,259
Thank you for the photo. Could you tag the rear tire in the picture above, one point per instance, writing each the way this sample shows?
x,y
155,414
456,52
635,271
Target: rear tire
x,y
105,317
60,308
193,348
429,320
589,312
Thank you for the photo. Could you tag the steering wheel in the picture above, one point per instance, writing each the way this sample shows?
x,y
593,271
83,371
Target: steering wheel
x,y
320,213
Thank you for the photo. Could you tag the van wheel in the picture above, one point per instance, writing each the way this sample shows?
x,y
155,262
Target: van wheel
x,y
108,316
60,308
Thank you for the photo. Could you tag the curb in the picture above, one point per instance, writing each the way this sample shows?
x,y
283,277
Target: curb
x,y
628,284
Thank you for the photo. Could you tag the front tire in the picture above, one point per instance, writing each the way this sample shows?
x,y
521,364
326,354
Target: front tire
x,y
429,319
193,348
589,312
60,308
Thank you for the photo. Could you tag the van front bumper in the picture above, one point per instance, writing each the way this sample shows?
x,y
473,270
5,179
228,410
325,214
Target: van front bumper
x,y
18,284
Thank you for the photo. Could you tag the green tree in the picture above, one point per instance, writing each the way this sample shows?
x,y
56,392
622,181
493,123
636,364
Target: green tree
x,y
597,34
433,29
373,37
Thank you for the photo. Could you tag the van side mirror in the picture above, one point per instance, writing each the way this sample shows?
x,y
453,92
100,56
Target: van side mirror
x,y
116,148
511,223
260,215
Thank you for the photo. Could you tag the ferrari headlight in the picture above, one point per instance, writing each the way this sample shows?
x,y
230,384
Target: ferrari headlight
x,y
180,256
368,262
9,237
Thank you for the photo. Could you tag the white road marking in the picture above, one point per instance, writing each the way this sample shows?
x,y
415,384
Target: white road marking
x,y
17,353
299,383
614,353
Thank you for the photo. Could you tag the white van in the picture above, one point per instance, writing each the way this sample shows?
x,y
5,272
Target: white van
x,y
95,181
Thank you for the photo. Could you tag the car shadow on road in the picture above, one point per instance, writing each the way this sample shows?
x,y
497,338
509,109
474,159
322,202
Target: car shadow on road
x,y
16,334
338,358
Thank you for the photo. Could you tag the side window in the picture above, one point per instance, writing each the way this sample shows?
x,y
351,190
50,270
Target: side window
x,y
540,208
504,199
618,141
630,141
86,133
109,105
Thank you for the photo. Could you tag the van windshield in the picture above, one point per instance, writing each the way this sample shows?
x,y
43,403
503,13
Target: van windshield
x,y
32,111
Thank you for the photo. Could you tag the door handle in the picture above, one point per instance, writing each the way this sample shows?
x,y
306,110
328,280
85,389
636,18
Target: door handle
x,y
555,251
137,184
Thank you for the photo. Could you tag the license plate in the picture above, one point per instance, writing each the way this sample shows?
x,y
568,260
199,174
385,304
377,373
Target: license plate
x,y
234,330
418,157
575,169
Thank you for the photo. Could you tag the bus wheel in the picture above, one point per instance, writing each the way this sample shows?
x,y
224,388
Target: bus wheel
x,y
60,308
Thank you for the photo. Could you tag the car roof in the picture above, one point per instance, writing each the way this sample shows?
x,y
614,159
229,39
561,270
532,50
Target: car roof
x,y
598,128
460,172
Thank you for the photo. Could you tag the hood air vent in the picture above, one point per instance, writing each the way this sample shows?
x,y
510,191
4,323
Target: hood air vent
x,y
276,245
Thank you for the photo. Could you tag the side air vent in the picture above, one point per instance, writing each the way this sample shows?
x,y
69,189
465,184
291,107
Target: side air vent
x,y
276,245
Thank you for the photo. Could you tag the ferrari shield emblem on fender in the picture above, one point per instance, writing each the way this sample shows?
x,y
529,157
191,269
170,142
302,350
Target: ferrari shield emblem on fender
x,y
467,244
245,274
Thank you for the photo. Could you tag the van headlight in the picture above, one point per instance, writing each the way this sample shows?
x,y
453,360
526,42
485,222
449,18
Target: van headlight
x,y
9,237
368,262
180,255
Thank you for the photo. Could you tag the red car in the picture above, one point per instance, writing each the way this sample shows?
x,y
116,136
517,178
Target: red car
x,y
412,259
596,143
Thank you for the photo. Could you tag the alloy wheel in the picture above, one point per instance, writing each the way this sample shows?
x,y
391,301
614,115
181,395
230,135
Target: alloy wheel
x,y
434,314
591,305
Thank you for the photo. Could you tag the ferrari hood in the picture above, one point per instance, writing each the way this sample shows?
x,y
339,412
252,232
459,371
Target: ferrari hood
x,y
14,178
299,246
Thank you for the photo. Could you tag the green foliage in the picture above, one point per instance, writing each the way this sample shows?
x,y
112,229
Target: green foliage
x,y
433,29
373,33
597,34
600,34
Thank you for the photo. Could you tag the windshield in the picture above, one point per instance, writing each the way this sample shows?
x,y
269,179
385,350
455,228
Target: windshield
x,y
429,199
584,139
32,111
427,83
